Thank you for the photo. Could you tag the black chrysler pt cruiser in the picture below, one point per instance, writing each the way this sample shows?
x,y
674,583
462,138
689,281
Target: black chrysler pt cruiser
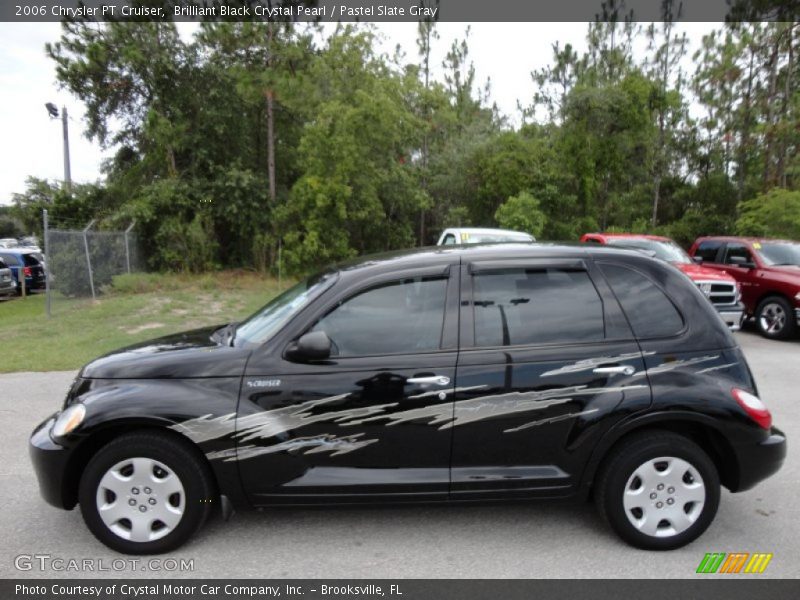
x,y
479,373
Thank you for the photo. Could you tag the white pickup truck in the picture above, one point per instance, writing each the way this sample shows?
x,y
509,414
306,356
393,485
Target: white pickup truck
x,y
479,235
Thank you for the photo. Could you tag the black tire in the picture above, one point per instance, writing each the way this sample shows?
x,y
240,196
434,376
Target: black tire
x,y
178,457
775,318
618,471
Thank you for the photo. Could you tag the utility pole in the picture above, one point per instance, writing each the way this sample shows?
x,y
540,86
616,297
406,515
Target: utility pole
x,y
47,268
67,170
52,110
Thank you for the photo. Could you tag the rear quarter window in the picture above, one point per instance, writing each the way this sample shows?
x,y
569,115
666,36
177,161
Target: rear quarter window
x,y
650,312
10,260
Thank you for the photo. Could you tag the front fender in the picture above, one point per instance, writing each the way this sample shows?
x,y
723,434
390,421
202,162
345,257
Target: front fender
x,y
117,406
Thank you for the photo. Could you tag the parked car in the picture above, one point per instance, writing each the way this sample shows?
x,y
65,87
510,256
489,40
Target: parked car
x,y
30,243
8,243
480,235
768,272
24,265
582,371
8,285
720,288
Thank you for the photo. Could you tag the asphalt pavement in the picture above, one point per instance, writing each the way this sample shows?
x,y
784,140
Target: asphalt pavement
x,y
522,540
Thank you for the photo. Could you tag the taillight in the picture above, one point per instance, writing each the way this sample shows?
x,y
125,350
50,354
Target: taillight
x,y
27,271
754,407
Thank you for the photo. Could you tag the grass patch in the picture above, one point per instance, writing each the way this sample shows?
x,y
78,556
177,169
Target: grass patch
x,y
136,307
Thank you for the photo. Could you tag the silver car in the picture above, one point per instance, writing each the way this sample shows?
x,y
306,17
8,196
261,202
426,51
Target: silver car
x,y
8,287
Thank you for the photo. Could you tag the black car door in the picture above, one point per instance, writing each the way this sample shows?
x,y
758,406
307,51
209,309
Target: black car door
x,y
547,360
367,420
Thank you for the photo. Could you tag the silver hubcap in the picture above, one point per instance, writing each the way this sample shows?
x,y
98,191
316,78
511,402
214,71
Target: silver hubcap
x,y
141,499
664,496
773,318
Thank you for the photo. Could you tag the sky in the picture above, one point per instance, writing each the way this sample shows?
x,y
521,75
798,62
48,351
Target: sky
x,y
32,142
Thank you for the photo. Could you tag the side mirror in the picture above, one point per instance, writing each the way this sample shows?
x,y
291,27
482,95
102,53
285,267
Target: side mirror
x,y
697,260
315,345
741,261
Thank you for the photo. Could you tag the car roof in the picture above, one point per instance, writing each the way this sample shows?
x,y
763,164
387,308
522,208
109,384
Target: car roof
x,y
18,250
738,238
488,230
643,236
444,255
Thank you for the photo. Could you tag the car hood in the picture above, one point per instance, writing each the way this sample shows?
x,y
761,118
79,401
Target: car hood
x,y
190,354
700,273
786,273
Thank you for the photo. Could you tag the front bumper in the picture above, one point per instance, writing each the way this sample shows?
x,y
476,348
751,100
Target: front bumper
x,y
758,462
50,462
8,288
732,315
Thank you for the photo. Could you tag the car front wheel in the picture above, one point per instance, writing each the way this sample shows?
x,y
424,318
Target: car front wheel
x,y
145,493
775,318
658,491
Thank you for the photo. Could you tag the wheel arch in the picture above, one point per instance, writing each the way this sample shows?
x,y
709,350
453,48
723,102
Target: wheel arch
x,y
769,294
111,430
699,428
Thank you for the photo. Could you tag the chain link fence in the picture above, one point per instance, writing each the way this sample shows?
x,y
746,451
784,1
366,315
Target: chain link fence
x,y
82,263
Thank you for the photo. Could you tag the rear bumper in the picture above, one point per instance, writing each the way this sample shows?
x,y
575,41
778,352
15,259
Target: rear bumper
x,y
732,315
50,464
35,283
758,462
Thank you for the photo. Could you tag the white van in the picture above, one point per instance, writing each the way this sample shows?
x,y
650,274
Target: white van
x,y
479,235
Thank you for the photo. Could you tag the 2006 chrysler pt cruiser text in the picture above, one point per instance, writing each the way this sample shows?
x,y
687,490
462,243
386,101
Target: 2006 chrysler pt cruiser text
x,y
513,371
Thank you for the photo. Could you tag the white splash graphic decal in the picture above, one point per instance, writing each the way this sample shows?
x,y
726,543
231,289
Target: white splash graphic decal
x,y
679,364
306,445
717,368
276,422
591,363
550,420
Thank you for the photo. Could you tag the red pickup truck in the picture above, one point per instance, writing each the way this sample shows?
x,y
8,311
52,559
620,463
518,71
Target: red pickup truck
x,y
768,272
721,289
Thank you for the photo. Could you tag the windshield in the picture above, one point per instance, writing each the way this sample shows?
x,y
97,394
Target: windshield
x,y
779,253
669,251
268,320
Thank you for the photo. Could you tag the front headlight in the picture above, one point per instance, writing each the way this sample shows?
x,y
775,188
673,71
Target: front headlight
x,y
69,419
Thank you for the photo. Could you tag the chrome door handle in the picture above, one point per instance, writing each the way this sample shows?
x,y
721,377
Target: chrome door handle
x,y
615,370
433,380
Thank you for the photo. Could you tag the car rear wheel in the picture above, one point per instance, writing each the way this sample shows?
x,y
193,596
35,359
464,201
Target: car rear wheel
x,y
658,491
775,318
145,493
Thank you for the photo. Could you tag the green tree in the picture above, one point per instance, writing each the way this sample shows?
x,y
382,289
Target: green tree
x,y
358,192
774,214
521,213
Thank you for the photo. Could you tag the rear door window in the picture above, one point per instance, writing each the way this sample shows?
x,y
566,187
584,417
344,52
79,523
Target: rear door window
x,y
524,306
649,310
708,250
10,260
